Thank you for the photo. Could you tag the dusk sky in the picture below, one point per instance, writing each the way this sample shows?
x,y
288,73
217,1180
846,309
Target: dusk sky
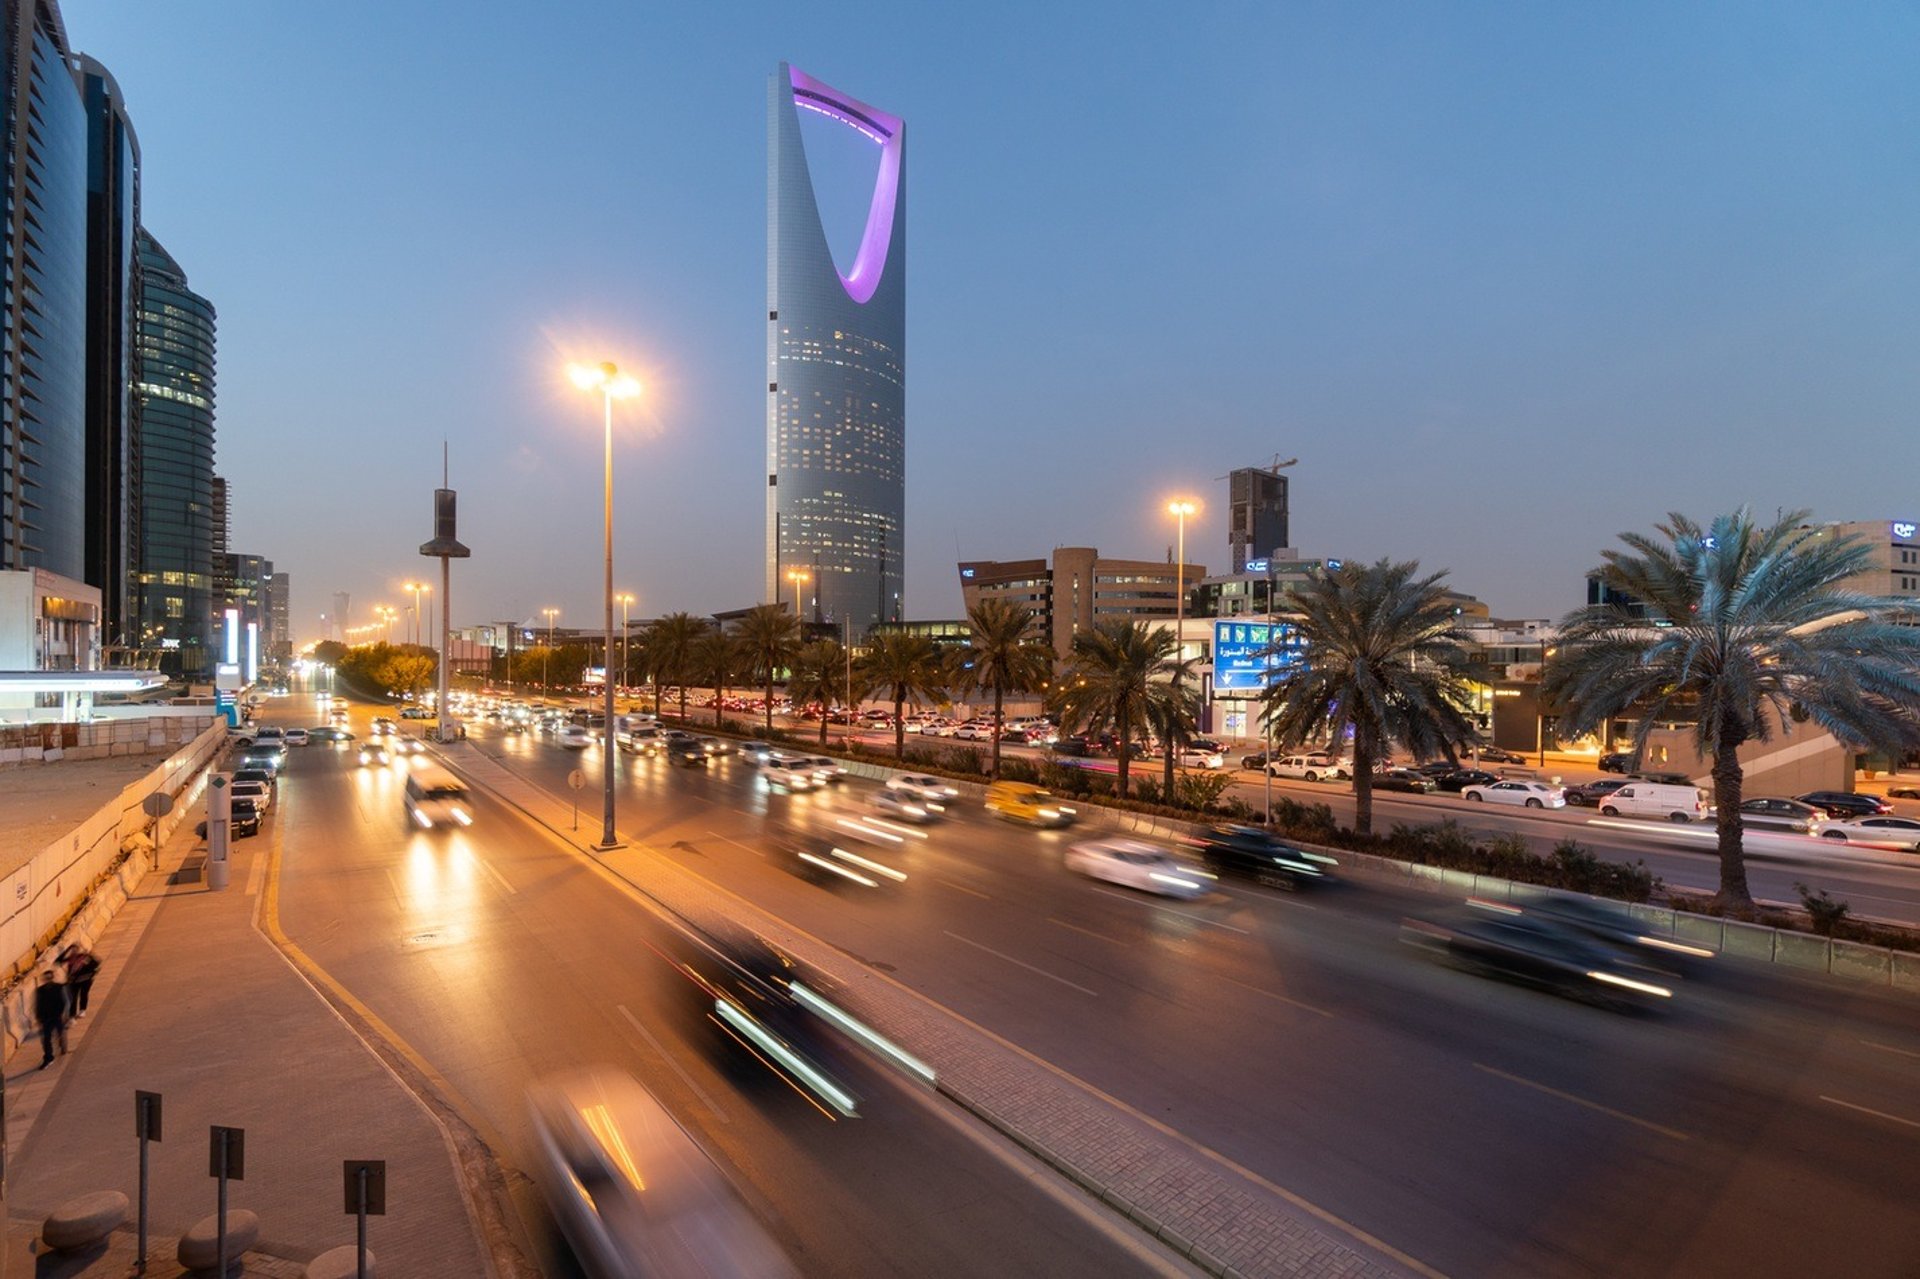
x,y
1507,279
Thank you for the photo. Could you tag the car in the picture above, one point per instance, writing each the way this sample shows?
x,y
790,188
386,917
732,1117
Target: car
x,y
1461,778
1675,801
436,799
1437,768
1257,854
1589,794
1405,779
1135,863
1255,762
415,712
383,726
1615,762
1521,794
1501,940
644,739
788,776
243,816
1903,790
329,733
1315,767
296,737
1073,746
1765,813
1846,804
407,746
575,737
1901,833
903,807
1612,924
272,734
1025,802
686,752
717,746
756,752
260,792
928,790
825,768
975,730
373,751
1199,757
1494,755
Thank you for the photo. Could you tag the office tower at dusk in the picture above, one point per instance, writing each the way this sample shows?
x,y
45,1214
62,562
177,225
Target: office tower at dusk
x,y
836,369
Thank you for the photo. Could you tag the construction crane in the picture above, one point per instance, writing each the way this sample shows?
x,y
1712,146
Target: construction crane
x,y
1277,465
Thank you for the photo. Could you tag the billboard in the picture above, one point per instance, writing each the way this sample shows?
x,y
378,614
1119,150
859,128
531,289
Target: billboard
x,y
1246,655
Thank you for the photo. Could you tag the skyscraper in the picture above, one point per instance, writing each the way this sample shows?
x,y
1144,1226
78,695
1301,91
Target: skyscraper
x,y
179,518
113,287
43,382
836,367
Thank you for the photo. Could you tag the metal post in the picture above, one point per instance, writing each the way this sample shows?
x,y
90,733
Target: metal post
x,y
1266,717
607,840
146,1117
360,1263
444,708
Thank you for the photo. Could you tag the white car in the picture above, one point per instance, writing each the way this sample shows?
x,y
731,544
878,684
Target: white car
x,y
575,737
940,727
902,807
1520,794
1134,863
296,737
975,730
1901,833
259,792
1194,757
790,775
928,790
1312,768
825,768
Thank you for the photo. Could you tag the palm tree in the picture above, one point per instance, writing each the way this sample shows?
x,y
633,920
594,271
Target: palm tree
x,y
818,671
1373,650
1002,655
670,642
768,636
1120,673
714,657
1746,626
905,668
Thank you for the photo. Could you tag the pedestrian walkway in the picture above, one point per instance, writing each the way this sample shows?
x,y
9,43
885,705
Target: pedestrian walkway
x,y
192,1002
1224,1218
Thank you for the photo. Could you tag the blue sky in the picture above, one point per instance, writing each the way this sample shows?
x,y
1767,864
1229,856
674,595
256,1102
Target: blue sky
x,y
1507,278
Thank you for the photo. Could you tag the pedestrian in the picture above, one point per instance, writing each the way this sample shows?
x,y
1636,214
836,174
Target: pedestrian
x,y
82,966
50,1010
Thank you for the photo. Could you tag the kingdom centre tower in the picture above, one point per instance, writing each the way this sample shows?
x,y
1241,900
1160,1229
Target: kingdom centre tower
x,y
836,372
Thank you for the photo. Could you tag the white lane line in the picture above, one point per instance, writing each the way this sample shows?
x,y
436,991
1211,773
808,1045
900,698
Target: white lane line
x,y
972,892
1291,900
736,843
1297,1003
498,878
1198,919
667,1057
1889,1048
1022,964
1088,931
398,898
1635,1120
1877,1114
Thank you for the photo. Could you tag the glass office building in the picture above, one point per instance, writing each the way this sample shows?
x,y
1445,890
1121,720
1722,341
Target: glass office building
x,y
177,517
836,370
43,444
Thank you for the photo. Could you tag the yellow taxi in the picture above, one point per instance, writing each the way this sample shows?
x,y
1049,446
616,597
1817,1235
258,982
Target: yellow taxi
x,y
1025,802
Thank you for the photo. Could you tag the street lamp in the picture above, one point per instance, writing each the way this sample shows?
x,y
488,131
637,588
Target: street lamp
x,y
798,576
1179,509
546,654
414,589
389,613
612,385
425,588
627,600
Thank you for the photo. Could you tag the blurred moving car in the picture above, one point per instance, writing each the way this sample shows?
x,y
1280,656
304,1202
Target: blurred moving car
x,y
296,737
374,752
1499,940
1025,802
573,737
1135,863
1520,794
1405,779
715,747
1900,833
928,790
406,746
1259,855
436,799
382,726
825,768
788,776
329,733
903,807
1845,804
686,752
1615,925
631,1189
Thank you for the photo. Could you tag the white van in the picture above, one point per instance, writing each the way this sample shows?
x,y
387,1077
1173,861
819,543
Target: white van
x,y
1666,800
436,798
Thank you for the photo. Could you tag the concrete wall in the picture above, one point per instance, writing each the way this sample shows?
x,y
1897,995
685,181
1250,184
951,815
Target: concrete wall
x,y
156,730
1791,764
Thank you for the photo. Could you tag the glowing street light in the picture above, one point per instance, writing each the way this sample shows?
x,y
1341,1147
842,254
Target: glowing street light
x,y
799,577
1179,509
627,601
414,589
546,654
612,385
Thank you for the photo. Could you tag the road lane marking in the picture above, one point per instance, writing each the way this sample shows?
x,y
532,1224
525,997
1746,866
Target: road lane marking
x,y
667,1057
498,878
399,899
1868,1110
1635,1120
737,844
1022,964
1088,931
1288,899
1297,1003
1889,1048
972,892
1198,919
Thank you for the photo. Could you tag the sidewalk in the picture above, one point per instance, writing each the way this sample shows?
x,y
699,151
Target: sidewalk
x,y
194,1003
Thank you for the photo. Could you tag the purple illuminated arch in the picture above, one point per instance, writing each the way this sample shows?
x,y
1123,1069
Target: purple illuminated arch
x,y
878,126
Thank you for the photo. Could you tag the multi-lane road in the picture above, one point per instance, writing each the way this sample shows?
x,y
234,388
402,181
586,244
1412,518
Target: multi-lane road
x,y
1763,1125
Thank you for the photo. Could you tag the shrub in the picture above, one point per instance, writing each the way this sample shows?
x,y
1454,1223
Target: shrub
x,y
1144,789
1827,914
1013,769
1200,790
1311,822
1238,810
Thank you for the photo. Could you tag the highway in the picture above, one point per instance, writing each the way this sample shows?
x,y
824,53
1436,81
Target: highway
x,y
1483,1128
499,957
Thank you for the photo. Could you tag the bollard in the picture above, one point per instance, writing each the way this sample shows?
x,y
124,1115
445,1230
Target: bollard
x,y
228,1160
219,832
366,1187
146,1124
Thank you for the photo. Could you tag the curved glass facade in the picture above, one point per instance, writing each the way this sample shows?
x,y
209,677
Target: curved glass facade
x,y
836,370
174,392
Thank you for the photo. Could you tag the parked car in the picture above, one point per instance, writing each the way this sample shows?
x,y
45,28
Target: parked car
x,y
1764,813
1674,802
1615,762
1494,755
1199,757
1589,794
1255,761
243,817
415,712
1312,768
1405,779
1902,833
260,792
1257,854
1903,790
1461,778
1846,804
1521,794
1073,746
975,730
1135,863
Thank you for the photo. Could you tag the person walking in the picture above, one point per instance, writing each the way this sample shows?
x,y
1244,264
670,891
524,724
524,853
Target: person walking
x,y
50,1010
82,965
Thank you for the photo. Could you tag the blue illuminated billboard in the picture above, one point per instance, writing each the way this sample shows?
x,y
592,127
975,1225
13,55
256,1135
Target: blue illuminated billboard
x,y
1242,661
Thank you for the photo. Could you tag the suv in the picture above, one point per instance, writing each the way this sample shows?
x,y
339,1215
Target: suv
x,y
1847,804
1311,767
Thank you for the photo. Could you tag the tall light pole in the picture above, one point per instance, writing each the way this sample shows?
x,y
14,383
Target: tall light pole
x,y
612,385
798,576
1179,509
1266,718
388,613
626,599
414,589
425,588
546,654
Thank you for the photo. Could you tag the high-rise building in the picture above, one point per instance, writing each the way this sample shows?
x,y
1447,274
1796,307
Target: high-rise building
x,y
338,620
1256,514
113,290
279,644
836,368
43,351
174,393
